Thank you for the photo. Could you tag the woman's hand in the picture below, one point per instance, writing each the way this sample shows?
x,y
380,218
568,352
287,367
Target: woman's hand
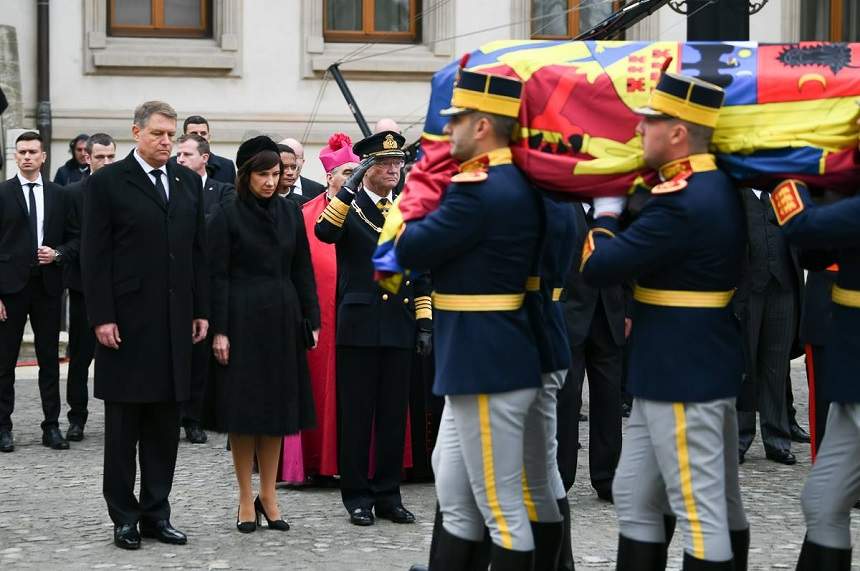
x,y
221,349
316,338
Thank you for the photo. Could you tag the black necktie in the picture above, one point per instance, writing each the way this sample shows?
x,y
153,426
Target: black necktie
x,y
34,217
159,187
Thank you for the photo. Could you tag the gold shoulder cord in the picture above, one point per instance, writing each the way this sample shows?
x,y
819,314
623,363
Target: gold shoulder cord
x,y
363,217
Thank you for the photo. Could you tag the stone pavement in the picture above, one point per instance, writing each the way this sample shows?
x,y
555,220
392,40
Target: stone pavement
x,y
52,514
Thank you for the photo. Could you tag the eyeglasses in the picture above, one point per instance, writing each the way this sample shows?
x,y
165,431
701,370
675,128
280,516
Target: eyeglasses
x,y
391,163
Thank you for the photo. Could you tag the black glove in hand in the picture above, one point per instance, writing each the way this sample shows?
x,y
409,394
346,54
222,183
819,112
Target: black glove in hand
x,y
354,181
424,345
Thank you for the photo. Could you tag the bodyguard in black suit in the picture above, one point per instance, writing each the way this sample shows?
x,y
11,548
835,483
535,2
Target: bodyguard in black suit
x,y
376,336
768,303
310,188
146,285
100,151
194,153
595,325
37,231
219,168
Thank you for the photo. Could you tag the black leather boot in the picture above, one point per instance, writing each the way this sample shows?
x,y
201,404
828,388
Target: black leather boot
x,y
548,537
740,539
434,539
669,522
814,557
448,551
502,559
693,564
640,555
565,557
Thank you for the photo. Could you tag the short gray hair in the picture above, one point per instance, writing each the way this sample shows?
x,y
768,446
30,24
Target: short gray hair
x,y
149,108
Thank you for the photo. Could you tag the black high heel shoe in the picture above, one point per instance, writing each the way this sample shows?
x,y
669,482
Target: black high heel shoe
x,y
277,524
247,526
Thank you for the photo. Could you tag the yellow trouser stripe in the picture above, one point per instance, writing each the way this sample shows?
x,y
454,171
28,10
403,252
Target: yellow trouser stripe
x,y
489,471
846,297
527,498
681,298
687,480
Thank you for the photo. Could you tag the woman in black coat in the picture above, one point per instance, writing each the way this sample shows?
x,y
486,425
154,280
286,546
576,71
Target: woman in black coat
x,y
264,317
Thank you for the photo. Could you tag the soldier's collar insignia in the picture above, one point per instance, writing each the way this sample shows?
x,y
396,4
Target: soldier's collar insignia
x,y
389,143
693,163
496,157
676,184
786,200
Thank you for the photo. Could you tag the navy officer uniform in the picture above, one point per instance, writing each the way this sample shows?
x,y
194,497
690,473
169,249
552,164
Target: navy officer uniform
x,y
686,358
834,483
480,245
376,336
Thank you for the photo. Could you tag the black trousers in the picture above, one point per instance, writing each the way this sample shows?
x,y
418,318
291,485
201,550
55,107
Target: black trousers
x,y
771,330
373,393
148,432
602,359
44,312
201,356
82,347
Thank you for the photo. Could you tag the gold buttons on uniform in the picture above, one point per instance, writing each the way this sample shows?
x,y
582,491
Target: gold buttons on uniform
x,y
385,297
405,300
408,282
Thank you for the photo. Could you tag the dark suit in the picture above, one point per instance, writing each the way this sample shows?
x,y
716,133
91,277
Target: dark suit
x,y
595,325
82,340
30,289
375,339
144,268
310,188
299,199
214,193
767,302
221,169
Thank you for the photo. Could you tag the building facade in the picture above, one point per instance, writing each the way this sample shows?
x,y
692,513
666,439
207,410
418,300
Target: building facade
x,y
259,66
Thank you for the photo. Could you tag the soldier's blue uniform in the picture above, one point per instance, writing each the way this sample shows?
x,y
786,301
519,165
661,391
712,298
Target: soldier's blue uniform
x,y
685,252
479,245
834,483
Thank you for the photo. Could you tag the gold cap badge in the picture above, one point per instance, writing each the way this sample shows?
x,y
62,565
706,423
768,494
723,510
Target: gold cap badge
x,y
389,143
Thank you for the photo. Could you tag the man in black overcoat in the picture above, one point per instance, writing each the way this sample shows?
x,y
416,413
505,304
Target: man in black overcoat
x,y
146,286
596,330
38,232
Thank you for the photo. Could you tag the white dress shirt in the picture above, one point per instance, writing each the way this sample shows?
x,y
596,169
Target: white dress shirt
x,y
297,188
203,178
376,198
165,180
39,192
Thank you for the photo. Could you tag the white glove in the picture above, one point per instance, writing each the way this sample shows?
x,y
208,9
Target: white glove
x,y
609,206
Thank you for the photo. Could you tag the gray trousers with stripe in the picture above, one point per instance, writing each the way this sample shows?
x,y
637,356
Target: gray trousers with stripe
x,y
681,458
833,484
542,484
478,464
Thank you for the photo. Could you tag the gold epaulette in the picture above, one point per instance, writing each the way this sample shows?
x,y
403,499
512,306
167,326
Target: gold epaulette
x,y
335,212
470,176
846,297
423,307
670,186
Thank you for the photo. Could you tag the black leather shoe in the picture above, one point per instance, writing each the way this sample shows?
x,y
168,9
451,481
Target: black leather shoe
x,y
781,456
6,442
53,438
397,514
125,536
798,434
163,532
361,516
194,434
276,524
75,433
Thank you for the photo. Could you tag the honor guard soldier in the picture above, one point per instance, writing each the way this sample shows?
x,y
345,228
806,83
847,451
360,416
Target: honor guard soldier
x,y
377,333
685,251
834,483
542,483
479,246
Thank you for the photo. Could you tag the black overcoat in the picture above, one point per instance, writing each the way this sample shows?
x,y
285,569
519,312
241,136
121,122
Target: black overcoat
x,y
262,290
144,268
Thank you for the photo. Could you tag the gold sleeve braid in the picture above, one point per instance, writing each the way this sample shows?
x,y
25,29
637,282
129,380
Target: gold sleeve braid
x,y
335,213
423,307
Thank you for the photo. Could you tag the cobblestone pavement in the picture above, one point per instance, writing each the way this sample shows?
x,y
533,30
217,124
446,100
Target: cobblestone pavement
x,y
52,515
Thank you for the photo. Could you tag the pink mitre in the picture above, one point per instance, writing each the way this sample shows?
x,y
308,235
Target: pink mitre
x,y
338,152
